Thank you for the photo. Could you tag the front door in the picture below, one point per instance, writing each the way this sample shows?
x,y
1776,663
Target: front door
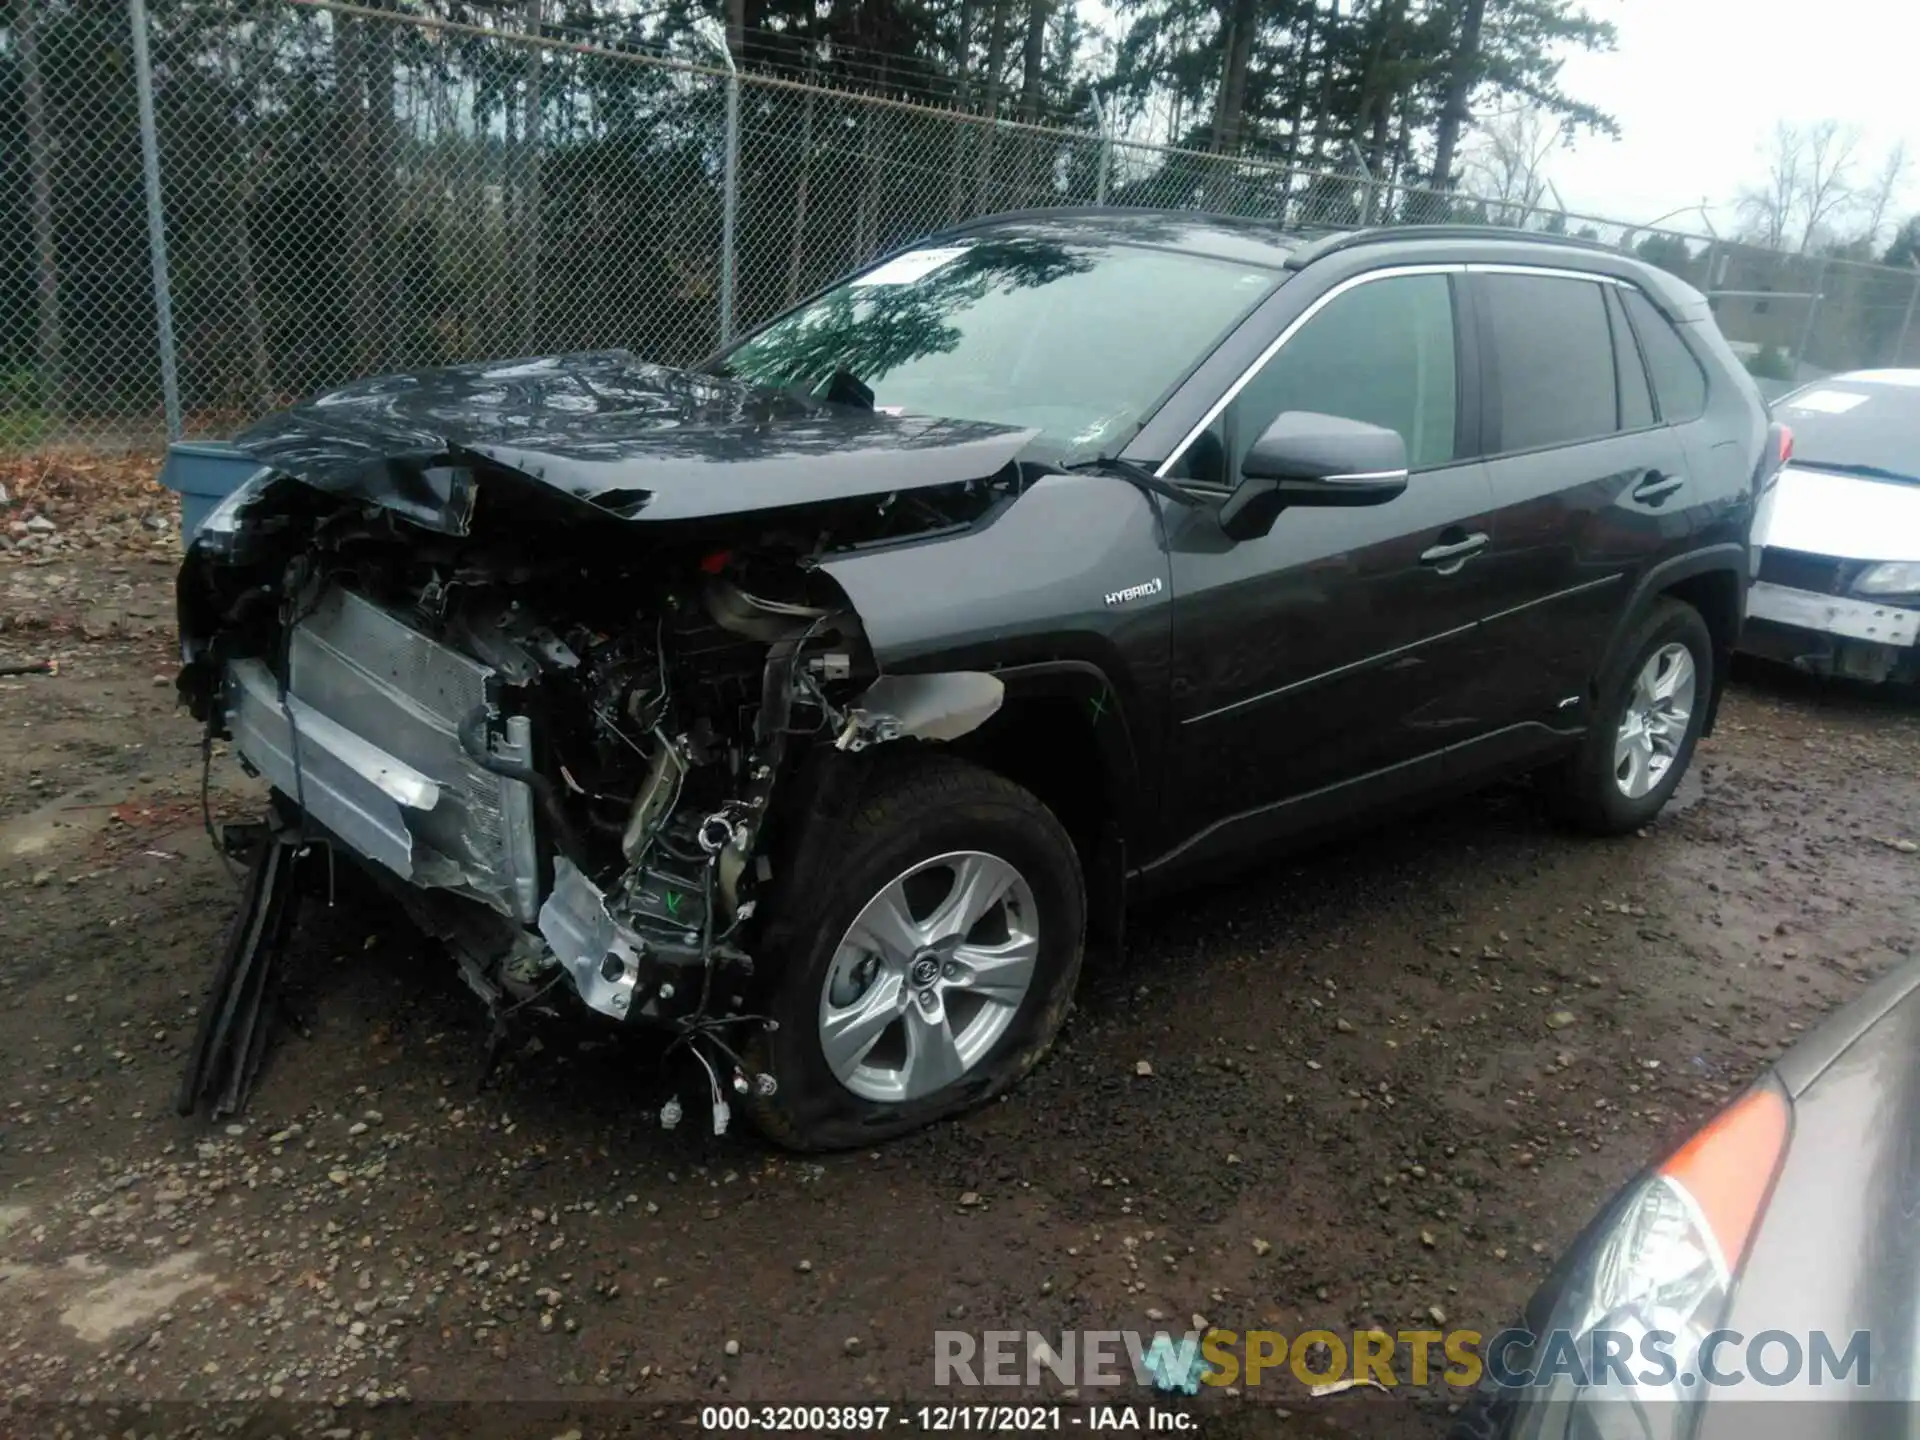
x,y
1340,645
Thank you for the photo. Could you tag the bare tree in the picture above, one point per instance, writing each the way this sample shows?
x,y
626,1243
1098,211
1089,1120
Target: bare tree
x,y
1808,187
1767,209
1831,149
1506,165
1879,199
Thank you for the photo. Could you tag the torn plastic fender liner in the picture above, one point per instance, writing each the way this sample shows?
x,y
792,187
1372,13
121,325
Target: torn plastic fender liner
x,y
941,706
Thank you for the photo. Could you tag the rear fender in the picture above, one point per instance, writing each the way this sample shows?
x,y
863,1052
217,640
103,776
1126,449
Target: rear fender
x,y
1721,565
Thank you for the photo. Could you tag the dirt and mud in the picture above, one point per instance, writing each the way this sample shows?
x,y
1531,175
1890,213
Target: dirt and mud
x,y
1378,1085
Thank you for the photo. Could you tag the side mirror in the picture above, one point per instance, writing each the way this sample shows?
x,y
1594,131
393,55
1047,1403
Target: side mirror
x,y
1309,459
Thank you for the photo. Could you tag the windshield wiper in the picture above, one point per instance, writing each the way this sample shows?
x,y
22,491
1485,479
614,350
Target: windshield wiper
x,y
1868,472
842,387
846,388
1144,479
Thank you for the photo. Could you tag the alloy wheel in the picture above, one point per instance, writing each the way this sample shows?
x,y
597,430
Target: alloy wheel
x,y
929,976
1658,713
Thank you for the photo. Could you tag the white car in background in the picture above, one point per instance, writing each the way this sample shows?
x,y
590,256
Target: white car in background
x,y
1837,538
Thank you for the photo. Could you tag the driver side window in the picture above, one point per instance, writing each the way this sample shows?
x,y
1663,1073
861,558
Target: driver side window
x,y
1382,352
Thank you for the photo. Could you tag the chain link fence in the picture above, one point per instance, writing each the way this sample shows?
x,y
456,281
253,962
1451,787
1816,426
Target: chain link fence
x,y
311,191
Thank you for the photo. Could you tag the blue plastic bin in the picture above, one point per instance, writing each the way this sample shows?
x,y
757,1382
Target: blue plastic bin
x,y
203,473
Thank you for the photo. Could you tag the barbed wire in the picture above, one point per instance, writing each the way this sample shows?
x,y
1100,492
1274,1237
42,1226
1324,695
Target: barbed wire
x,y
318,231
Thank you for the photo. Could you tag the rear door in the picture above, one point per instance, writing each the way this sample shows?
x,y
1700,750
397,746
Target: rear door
x,y
1721,455
1588,487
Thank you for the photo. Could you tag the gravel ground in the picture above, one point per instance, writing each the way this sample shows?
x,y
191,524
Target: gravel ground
x,y
1376,1085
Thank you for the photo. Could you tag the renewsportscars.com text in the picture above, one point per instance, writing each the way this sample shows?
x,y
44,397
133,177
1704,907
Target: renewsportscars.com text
x,y
1512,1359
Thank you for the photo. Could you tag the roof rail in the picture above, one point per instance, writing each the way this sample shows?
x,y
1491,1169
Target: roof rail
x,y
1257,224
1381,234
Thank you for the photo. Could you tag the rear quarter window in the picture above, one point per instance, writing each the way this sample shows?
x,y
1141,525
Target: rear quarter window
x,y
1679,384
1636,395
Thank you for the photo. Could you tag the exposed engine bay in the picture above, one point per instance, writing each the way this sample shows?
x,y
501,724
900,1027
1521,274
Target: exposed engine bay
x,y
562,740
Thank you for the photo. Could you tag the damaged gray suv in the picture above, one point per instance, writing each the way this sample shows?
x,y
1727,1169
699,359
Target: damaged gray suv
x,y
816,705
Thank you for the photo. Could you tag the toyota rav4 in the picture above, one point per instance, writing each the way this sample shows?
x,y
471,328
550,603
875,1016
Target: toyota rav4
x,y
818,703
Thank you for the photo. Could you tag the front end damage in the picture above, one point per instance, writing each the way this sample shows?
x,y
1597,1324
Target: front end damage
x,y
565,741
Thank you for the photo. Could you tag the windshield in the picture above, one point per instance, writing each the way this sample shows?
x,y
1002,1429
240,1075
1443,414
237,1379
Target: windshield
x,y
1856,425
1079,341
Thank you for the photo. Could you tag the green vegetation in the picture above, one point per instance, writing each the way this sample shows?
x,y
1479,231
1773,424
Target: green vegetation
x,y
1771,363
347,195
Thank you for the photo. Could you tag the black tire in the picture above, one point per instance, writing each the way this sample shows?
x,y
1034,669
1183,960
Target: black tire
x,y
1490,1413
910,809
1584,791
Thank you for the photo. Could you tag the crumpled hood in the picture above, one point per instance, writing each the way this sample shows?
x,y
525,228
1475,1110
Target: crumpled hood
x,y
638,441
1849,517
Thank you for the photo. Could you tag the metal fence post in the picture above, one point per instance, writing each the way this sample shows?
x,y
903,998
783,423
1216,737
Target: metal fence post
x,y
715,37
1813,313
729,200
1104,166
156,218
532,200
1900,349
1367,182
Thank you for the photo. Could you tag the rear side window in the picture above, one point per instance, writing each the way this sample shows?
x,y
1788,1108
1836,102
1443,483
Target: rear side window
x,y
1678,380
1636,399
1553,354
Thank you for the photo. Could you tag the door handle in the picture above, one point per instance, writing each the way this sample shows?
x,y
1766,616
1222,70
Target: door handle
x,y
1448,557
1655,487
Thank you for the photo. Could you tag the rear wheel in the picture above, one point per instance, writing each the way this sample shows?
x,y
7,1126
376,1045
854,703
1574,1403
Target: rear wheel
x,y
931,968
1645,726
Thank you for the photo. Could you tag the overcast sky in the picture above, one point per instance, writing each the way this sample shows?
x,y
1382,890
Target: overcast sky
x,y
1698,84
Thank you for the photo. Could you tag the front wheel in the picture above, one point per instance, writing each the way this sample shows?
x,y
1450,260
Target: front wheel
x,y
932,967
1646,723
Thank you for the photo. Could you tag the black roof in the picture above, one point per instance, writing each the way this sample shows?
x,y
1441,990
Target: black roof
x,y
1239,237
1264,242
1224,237
1240,233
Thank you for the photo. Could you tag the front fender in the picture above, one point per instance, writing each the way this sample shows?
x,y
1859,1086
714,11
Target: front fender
x,y
1066,586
